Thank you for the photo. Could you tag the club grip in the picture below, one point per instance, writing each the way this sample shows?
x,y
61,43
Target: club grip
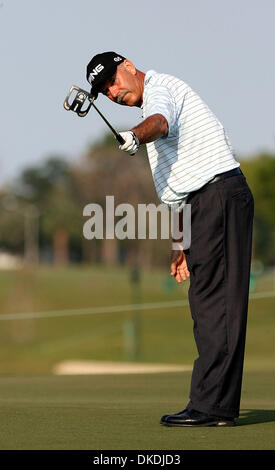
x,y
120,139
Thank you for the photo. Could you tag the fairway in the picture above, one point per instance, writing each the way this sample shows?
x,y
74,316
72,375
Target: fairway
x,y
123,412
163,335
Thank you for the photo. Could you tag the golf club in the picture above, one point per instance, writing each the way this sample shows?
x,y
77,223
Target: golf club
x,y
75,100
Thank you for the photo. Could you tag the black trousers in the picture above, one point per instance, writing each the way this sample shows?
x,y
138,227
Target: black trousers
x,y
219,263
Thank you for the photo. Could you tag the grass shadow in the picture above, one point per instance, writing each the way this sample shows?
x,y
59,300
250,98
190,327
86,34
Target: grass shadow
x,y
255,416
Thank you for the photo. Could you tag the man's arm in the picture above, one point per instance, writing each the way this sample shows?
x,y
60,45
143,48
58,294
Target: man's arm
x,y
151,128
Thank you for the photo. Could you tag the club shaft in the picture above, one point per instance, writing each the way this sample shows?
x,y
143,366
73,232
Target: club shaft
x,y
117,136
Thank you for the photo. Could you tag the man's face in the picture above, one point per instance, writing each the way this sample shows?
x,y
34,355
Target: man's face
x,y
124,87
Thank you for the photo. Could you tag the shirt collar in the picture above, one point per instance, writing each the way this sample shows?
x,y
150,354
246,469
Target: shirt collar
x,y
148,76
147,79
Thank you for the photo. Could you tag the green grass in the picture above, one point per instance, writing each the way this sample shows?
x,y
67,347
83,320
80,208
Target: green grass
x,y
34,346
42,411
123,412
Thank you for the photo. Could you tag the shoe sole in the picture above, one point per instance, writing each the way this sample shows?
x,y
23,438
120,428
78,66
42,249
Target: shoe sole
x,y
220,424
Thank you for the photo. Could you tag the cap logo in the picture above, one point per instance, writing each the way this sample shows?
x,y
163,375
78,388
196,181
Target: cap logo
x,y
95,72
116,59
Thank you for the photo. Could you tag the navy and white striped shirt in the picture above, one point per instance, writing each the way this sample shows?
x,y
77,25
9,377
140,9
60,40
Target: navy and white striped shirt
x,y
196,147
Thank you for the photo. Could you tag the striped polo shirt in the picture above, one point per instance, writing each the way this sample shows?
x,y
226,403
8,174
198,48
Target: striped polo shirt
x,y
196,147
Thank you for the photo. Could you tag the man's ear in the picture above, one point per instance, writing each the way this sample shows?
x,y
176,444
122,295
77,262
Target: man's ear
x,y
129,66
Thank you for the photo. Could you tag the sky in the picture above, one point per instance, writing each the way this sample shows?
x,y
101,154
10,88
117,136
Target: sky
x,y
224,49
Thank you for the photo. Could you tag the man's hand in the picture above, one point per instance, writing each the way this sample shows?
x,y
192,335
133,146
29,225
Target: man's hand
x,y
131,142
179,267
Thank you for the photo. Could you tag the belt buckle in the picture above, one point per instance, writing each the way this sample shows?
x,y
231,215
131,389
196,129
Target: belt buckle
x,y
216,178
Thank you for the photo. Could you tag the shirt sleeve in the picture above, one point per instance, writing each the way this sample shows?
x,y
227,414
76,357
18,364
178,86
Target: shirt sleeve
x,y
159,100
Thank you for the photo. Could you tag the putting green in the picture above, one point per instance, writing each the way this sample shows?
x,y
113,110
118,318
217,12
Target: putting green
x,y
123,412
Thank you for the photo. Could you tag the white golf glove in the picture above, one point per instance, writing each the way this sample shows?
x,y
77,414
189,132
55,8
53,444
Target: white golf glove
x,y
131,142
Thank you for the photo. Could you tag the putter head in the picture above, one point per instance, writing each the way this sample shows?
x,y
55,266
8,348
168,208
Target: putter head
x,y
75,100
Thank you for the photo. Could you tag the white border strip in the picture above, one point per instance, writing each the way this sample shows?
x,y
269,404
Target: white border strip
x,y
112,309
95,310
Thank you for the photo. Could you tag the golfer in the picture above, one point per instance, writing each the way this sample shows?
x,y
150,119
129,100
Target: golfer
x,y
192,161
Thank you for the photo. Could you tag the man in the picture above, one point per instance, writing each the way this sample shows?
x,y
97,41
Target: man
x,y
192,161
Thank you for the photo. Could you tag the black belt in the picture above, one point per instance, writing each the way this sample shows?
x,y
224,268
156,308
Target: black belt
x,y
219,177
227,174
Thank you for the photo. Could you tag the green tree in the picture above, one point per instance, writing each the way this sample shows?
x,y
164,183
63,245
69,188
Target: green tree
x,y
260,175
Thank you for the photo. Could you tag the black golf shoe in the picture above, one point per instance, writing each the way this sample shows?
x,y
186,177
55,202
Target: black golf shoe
x,y
195,418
